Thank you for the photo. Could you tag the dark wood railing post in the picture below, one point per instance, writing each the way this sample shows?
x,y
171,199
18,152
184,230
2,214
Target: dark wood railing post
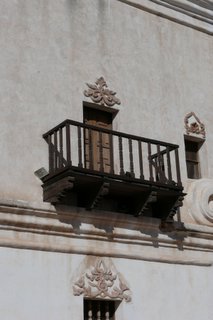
x,y
80,164
169,164
151,178
68,143
50,154
177,166
60,147
121,155
101,152
111,154
90,150
131,165
159,164
55,151
140,159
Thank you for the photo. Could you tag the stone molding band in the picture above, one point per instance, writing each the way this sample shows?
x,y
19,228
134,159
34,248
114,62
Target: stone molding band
x,y
194,14
23,228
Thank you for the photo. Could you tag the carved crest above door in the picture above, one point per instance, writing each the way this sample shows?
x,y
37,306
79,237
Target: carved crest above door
x,y
99,93
193,125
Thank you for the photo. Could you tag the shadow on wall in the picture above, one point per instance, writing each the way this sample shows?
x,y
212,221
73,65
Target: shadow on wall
x,y
114,227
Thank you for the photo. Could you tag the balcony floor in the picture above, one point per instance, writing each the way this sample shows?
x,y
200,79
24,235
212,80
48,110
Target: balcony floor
x,y
97,190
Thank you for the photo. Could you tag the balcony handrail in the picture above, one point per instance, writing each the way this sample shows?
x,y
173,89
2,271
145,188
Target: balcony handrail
x,y
133,160
113,132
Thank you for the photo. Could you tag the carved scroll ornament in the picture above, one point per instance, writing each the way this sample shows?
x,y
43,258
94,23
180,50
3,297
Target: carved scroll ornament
x,y
199,201
99,93
194,125
102,283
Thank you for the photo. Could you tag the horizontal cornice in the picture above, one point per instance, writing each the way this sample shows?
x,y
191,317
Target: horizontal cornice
x,y
191,13
121,236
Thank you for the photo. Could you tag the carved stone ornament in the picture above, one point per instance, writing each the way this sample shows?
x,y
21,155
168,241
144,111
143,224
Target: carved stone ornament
x,y
99,93
199,201
101,282
193,125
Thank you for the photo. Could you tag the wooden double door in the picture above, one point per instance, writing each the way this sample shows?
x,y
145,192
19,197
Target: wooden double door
x,y
98,145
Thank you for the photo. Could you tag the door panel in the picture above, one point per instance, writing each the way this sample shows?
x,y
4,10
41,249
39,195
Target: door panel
x,y
97,157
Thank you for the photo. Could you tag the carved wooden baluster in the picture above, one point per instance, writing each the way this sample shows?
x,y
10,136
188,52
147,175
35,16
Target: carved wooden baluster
x,y
111,154
140,159
98,311
90,311
169,163
107,311
177,167
51,168
80,164
131,157
55,150
101,151
163,165
159,164
121,155
68,145
90,150
60,148
151,178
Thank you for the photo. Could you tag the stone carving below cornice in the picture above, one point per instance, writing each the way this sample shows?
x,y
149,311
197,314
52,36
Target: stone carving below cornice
x,y
101,282
197,14
193,125
99,93
199,201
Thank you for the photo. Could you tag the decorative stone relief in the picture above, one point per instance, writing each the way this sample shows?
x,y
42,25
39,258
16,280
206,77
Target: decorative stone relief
x,y
193,125
101,282
99,93
199,201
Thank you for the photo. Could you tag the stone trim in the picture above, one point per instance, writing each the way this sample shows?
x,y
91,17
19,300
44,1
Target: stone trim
x,y
83,232
194,14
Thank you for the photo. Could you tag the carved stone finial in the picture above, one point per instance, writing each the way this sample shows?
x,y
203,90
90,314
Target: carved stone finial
x,y
193,125
99,93
101,282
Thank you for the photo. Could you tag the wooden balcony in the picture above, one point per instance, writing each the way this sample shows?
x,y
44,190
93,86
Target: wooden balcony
x,y
92,167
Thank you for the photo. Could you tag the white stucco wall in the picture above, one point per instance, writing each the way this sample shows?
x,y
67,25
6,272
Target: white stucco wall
x,y
160,69
38,285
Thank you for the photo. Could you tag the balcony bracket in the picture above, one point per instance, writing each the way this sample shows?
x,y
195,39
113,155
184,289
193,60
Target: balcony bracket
x,y
102,191
152,197
56,191
175,208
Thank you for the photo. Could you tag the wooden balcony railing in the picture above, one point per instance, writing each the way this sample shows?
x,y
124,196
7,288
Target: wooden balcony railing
x,y
95,150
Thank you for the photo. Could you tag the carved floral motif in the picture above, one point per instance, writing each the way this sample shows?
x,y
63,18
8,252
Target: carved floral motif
x,y
194,125
99,93
101,282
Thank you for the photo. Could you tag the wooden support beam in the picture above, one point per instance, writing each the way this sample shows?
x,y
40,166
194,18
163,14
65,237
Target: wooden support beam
x,y
102,191
178,203
55,191
151,197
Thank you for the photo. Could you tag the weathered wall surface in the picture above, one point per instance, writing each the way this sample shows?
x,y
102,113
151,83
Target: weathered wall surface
x,y
161,70
41,287
43,254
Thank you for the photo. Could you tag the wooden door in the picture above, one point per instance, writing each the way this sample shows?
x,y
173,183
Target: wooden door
x,y
97,145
